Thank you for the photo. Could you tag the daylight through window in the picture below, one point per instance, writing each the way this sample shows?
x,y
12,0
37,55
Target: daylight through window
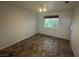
x,y
51,22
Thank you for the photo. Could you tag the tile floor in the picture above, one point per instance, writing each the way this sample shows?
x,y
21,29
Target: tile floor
x,y
39,45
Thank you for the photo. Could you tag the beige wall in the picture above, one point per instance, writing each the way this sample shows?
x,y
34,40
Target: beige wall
x,y
75,31
64,27
16,24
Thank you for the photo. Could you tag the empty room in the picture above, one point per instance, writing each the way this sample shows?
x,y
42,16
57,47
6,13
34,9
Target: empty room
x,y
39,29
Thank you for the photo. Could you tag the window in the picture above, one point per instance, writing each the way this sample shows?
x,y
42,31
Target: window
x,y
51,21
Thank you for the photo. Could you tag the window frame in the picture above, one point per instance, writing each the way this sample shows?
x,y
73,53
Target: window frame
x,y
55,16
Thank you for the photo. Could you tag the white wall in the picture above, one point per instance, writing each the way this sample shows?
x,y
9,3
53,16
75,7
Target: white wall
x,y
16,24
75,31
64,27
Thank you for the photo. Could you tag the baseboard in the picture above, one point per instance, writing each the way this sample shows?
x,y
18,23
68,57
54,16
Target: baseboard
x,y
52,36
73,49
31,36
16,42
